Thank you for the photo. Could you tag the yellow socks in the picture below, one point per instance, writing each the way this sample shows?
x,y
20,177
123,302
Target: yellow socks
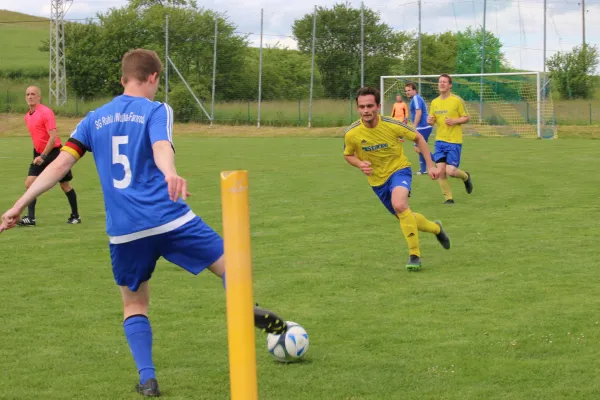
x,y
425,225
408,224
446,190
461,175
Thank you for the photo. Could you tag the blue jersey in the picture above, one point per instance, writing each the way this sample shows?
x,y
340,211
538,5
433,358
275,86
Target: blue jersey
x,y
120,134
417,103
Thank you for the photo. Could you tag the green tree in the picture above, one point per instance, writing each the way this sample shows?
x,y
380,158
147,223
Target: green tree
x,y
95,49
573,72
338,47
468,54
87,69
438,54
285,74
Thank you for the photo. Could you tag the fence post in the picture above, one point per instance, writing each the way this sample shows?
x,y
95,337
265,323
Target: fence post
x,y
214,75
260,65
362,44
299,111
76,106
590,113
167,58
312,68
248,111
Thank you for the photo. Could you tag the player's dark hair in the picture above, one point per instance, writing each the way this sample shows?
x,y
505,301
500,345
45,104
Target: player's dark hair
x,y
447,76
365,91
411,85
139,64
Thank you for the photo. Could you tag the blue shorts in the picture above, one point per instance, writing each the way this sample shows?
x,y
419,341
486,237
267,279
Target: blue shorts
x,y
425,132
194,247
448,153
402,177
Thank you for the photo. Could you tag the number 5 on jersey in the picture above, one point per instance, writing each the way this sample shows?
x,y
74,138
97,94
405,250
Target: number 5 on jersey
x,y
118,158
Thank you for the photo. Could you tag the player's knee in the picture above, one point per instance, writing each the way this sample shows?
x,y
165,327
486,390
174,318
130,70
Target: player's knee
x,y
400,206
65,186
450,170
218,267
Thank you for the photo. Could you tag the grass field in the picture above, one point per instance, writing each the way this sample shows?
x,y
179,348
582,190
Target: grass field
x,y
510,312
12,125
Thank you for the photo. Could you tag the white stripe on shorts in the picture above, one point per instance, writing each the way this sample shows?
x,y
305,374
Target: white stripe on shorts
x,y
168,227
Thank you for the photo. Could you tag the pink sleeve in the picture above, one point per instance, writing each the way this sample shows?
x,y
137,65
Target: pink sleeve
x,y
49,120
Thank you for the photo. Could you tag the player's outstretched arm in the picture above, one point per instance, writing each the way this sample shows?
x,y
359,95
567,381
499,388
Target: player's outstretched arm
x,y
164,157
47,179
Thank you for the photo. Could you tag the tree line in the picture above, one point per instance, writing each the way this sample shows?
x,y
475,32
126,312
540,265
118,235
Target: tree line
x,y
94,50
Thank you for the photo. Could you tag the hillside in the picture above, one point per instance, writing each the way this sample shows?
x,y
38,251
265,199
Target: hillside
x,y
20,37
13,16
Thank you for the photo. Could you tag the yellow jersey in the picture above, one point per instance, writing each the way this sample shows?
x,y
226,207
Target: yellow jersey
x,y
381,146
453,107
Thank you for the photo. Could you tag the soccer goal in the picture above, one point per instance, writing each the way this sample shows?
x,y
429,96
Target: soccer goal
x,y
502,104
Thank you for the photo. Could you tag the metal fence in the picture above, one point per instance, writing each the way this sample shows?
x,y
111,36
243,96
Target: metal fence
x,y
309,97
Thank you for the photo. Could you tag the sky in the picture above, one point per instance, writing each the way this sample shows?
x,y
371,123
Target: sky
x,y
518,23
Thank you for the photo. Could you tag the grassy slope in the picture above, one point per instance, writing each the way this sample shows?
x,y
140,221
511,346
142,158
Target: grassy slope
x,y
20,37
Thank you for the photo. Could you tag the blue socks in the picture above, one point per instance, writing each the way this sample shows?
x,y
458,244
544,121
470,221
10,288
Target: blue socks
x,y
422,162
139,336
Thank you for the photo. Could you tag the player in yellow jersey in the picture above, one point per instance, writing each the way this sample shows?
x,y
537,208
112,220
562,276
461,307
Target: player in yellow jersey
x,y
448,113
373,144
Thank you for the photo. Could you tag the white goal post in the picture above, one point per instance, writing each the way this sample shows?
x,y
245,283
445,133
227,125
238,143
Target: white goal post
x,y
499,104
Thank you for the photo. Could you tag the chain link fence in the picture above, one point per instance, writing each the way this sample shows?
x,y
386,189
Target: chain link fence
x,y
223,71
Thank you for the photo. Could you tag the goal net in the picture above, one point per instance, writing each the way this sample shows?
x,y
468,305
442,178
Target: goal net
x,y
502,104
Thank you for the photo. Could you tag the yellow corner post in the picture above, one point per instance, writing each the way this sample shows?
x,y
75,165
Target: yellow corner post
x,y
238,267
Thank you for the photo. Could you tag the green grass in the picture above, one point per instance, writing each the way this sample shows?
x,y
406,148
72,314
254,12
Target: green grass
x,y
326,112
510,312
20,37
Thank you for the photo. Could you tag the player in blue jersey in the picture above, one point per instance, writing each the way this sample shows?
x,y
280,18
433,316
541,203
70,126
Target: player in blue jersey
x,y
418,114
146,215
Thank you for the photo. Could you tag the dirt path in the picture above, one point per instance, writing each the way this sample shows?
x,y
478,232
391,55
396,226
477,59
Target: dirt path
x,y
13,125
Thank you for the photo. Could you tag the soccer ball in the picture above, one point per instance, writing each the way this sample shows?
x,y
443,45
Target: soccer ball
x,y
289,347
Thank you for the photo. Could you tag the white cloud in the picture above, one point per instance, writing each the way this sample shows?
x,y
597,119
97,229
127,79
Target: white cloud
x,y
281,42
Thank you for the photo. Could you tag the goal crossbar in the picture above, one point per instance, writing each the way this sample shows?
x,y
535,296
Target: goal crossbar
x,y
464,75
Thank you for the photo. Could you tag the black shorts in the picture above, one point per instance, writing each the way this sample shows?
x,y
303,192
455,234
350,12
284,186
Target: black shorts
x,y
36,170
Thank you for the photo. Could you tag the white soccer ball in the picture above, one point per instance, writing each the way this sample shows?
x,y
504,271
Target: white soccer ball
x,y
291,346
